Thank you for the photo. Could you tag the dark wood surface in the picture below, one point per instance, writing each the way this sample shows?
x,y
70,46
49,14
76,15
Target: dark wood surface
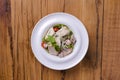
x,y
101,18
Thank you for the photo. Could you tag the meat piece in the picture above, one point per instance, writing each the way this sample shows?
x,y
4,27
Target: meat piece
x,y
63,44
50,32
61,54
65,52
58,41
68,42
52,50
72,39
62,32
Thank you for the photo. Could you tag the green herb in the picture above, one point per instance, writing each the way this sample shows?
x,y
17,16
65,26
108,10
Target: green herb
x,y
70,33
51,39
44,40
57,48
70,46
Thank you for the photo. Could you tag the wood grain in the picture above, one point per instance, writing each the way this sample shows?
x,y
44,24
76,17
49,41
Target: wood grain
x,y
90,13
101,19
23,19
6,68
111,41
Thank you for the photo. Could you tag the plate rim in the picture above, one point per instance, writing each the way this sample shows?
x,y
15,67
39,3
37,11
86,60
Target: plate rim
x,y
59,13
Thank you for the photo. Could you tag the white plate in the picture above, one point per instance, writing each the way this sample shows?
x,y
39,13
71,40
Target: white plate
x,y
80,48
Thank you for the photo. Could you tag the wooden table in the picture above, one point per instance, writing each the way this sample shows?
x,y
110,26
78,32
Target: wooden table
x,y
101,18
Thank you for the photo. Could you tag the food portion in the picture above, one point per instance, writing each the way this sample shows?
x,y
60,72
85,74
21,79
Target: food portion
x,y
59,40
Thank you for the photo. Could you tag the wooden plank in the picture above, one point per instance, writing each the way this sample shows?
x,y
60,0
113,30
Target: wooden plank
x,y
90,13
50,6
6,51
25,14
111,41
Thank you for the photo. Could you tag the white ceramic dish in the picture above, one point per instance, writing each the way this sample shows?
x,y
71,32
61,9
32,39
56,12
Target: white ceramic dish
x,y
80,47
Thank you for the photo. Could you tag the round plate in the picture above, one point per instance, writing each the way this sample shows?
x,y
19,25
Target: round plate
x,y
80,48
